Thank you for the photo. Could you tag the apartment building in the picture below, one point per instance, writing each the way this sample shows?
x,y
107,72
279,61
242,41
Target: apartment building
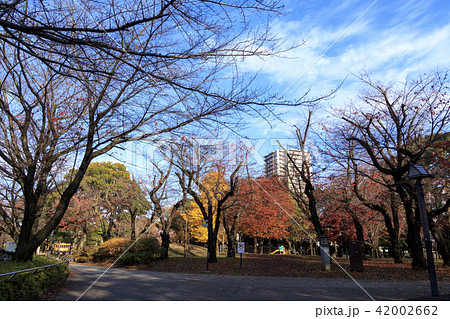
x,y
278,164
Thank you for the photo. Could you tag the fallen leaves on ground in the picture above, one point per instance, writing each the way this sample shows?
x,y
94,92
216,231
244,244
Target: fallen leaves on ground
x,y
294,266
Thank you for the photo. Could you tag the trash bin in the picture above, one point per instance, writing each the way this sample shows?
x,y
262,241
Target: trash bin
x,y
356,258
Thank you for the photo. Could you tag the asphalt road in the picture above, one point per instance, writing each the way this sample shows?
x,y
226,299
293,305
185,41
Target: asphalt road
x,y
93,283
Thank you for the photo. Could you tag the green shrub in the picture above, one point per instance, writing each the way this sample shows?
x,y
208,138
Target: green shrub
x,y
29,286
82,259
146,245
143,251
88,251
143,257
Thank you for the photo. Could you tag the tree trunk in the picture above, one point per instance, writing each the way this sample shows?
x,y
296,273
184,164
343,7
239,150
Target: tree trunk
x,y
231,233
414,241
133,224
26,246
29,242
313,212
212,240
393,228
359,230
396,251
413,223
186,244
313,215
165,244
442,243
231,244
107,235
212,252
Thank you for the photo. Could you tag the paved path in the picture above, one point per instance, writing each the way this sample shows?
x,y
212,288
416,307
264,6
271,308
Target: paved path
x,y
123,284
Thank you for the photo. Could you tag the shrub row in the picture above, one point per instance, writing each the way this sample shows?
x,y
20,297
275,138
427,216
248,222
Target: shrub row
x,y
143,251
29,286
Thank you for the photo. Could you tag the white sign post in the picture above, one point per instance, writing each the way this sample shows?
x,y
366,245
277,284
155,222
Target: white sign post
x,y
241,249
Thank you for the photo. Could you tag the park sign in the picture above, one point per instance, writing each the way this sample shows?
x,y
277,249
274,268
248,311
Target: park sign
x,y
241,250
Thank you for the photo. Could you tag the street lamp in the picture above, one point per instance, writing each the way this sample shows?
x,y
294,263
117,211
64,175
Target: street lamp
x,y
418,172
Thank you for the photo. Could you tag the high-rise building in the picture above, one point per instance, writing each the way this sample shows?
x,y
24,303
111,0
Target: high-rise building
x,y
278,164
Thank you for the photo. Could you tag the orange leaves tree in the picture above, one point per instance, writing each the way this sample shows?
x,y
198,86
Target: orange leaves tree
x,y
80,222
266,215
78,79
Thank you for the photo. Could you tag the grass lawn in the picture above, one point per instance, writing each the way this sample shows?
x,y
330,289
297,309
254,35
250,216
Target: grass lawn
x,y
288,266
177,250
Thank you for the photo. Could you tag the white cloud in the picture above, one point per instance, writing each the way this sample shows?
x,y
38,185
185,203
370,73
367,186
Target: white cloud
x,y
391,53
393,40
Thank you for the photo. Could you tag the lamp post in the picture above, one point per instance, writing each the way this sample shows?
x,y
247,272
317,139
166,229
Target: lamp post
x,y
418,172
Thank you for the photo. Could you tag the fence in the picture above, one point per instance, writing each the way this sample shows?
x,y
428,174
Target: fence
x,y
33,270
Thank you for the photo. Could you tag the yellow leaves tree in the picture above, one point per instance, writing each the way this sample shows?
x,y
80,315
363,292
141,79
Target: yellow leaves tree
x,y
212,189
194,218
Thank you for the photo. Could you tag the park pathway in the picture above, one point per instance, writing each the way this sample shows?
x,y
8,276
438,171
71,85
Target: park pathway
x,y
137,285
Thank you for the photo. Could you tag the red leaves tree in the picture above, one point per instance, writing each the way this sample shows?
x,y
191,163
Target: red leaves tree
x,y
266,216
338,224
80,219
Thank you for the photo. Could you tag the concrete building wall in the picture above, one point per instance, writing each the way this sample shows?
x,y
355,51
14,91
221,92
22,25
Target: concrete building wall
x,y
278,164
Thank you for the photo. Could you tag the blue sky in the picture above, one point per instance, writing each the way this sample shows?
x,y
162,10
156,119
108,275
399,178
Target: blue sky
x,y
393,39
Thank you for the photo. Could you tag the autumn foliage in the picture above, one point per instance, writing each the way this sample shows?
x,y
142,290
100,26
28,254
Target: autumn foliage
x,y
267,214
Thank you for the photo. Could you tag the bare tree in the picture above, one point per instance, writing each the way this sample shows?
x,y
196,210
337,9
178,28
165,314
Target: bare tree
x,y
394,126
203,174
67,34
80,78
164,208
298,179
364,184
236,203
11,209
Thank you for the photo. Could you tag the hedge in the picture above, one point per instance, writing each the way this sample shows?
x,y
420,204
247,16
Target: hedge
x,y
29,286
143,251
